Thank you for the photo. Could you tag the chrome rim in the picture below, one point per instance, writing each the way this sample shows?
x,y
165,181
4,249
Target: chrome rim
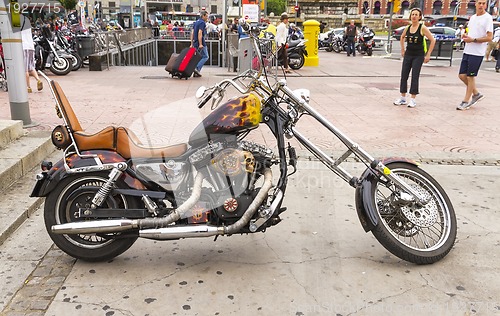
x,y
423,228
88,241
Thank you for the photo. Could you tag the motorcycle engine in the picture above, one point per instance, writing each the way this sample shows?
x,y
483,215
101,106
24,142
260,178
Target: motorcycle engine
x,y
232,171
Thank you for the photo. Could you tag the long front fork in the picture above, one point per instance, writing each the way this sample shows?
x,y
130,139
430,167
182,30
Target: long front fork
x,y
352,148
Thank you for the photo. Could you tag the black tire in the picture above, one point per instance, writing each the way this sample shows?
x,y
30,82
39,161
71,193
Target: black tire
x,y
329,48
59,210
76,62
421,235
369,51
61,67
336,47
297,66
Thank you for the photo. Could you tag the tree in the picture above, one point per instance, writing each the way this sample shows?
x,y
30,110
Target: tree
x,y
68,4
276,6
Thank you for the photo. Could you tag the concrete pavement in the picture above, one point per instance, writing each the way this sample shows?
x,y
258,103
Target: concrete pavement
x,y
318,261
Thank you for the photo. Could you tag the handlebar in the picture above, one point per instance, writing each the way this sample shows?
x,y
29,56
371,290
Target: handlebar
x,y
222,85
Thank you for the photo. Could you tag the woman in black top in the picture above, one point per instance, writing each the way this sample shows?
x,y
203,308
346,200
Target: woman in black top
x,y
413,56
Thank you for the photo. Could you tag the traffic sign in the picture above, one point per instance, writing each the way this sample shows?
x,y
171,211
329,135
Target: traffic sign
x,y
81,3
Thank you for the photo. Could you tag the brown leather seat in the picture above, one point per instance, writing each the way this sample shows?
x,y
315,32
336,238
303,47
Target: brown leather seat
x,y
119,139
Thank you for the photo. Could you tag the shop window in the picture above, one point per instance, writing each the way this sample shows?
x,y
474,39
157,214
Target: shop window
x,y
471,7
437,7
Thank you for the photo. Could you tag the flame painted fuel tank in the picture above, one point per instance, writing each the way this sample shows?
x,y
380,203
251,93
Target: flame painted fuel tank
x,y
236,115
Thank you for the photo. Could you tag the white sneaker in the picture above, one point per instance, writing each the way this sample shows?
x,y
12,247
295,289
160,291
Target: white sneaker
x,y
412,103
400,101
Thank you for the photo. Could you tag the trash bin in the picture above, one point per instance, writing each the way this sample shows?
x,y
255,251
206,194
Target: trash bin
x,y
85,45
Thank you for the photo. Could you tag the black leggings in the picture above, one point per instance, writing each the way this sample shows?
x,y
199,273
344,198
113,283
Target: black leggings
x,y
413,64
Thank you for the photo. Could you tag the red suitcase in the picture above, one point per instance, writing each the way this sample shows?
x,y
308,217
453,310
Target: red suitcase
x,y
186,63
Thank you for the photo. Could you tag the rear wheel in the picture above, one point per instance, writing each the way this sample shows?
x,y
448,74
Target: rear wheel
x,y
296,62
61,206
418,234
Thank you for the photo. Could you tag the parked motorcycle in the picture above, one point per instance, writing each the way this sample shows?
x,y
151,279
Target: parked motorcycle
x,y
339,43
47,56
64,47
108,189
326,44
365,41
3,73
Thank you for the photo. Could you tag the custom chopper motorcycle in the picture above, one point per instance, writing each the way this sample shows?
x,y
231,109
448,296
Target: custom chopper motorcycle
x,y
108,189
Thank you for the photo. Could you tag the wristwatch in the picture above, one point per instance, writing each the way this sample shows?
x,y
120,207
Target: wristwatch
x,y
475,40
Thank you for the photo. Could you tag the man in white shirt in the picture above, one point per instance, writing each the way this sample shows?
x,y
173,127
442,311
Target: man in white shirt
x,y
281,38
476,40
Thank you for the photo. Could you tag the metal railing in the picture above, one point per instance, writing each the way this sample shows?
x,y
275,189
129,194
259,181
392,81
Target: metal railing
x,y
140,47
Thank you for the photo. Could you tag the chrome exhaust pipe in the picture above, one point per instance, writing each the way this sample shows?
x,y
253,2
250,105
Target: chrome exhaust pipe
x,y
105,226
177,232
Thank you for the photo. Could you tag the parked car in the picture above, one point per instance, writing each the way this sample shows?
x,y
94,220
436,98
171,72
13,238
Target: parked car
x,y
449,21
443,33
397,32
439,32
323,36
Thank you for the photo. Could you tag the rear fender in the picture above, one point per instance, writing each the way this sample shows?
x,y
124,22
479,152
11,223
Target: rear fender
x,y
48,180
365,205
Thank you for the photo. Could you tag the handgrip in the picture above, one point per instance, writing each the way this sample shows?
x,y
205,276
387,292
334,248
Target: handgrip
x,y
204,101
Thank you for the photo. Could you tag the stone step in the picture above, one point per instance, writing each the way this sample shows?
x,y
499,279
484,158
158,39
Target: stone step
x,y
10,131
19,163
22,155
16,205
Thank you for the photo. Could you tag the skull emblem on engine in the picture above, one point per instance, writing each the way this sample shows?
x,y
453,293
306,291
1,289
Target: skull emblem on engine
x,y
232,162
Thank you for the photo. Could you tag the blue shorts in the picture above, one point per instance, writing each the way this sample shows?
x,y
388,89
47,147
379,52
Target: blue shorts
x,y
470,65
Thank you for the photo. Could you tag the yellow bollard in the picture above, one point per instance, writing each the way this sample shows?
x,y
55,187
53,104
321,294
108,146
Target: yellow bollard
x,y
311,33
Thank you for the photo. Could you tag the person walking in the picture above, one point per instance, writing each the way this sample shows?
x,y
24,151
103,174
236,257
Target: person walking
x,y
414,56
281,41
351,32
458,33
29,59
198,41
492,45
496,38
480,32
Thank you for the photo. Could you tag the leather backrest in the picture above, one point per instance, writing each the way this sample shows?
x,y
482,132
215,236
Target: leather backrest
x,y
67,110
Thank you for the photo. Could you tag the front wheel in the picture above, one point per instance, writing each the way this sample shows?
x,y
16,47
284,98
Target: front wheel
x,y
60,66
415,233
62,206
336,47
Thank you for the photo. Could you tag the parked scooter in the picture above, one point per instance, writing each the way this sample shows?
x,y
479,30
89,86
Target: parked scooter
x,y
365,41
46,55
296,51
